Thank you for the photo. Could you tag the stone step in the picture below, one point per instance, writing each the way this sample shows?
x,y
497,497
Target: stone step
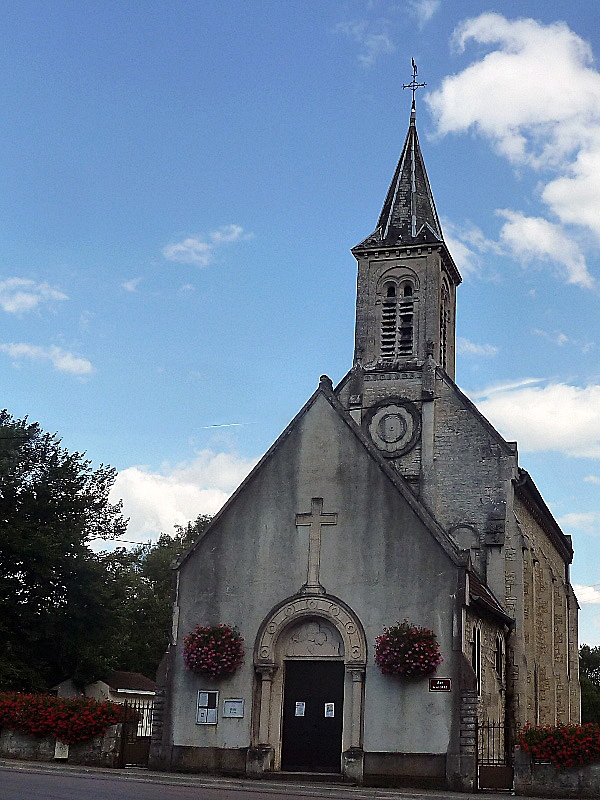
x,y
306,777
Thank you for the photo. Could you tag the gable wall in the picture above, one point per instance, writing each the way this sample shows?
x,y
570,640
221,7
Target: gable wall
x,y
470,483
379,558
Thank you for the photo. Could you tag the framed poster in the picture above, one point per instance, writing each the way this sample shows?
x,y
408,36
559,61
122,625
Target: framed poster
x,y
207,708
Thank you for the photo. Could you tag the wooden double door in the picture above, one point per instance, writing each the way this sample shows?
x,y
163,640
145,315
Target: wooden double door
x,y
312,716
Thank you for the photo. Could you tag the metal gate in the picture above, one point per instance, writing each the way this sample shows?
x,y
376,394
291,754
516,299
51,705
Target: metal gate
x,y
137,732
494,764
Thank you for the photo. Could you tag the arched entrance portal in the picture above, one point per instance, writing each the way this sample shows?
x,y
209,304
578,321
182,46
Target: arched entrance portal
x,y
310,656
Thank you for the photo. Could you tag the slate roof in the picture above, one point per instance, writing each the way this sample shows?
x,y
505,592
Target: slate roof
x,y
481,597
133,681
408,216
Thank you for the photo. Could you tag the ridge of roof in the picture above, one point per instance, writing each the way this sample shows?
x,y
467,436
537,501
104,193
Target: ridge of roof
x,y
253,472
325,389
121,679
528,492
509,447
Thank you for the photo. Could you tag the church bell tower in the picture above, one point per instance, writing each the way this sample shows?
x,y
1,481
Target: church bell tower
x,y
407,279
405,320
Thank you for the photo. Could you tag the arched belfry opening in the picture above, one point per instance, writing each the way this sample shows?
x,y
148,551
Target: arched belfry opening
x,y
310,658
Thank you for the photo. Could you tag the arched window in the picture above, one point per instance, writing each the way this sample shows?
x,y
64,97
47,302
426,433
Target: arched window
x,y
405,320
388,322
397,320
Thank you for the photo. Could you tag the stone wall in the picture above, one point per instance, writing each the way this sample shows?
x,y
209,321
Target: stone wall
x,y
101,751
544,780
547,686
492,694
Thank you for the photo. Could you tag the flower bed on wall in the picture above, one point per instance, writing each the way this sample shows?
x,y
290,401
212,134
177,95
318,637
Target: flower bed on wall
x,y
407,650
564,746
213,651
70,720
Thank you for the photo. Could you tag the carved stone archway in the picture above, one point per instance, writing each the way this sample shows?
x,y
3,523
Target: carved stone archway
x,y
268,662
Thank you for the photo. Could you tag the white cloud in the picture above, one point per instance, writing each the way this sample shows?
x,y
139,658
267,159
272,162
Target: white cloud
x,y
582,520
156,501
374,39
131,286
521,94
201,251
465,259
465,347
536,96
586,594
557,337
535,238
61,360
18,295
424,10
591,479
227,233
542,418
467,243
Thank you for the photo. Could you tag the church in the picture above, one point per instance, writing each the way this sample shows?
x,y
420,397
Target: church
x,y
388,498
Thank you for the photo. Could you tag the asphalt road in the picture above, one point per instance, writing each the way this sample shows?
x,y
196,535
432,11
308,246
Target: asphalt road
x,y
34,781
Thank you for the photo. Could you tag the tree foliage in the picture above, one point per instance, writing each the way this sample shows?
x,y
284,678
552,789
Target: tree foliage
x,y
55,609
589,676
65,610
145,579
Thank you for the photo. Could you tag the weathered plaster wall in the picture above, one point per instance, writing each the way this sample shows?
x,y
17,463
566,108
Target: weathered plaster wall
x,y
379,558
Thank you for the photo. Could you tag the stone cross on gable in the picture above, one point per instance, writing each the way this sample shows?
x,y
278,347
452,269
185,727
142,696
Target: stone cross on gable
x,y
315,519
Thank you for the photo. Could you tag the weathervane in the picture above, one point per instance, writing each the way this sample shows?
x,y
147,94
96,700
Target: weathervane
x,y
413,84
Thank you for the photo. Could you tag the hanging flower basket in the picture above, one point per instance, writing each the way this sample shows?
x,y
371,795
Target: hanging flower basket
x,y
407,650
213,651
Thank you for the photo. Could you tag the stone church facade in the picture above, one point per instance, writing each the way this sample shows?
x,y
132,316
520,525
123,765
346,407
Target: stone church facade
x,y
388,497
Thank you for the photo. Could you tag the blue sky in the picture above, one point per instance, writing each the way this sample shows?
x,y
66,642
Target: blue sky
x,y
181,186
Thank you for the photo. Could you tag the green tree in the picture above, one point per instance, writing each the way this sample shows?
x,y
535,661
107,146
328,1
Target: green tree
x,y
145,579
589,677
57,610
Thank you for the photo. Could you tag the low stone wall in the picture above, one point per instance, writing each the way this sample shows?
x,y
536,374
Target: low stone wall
x,y
101,751
544,780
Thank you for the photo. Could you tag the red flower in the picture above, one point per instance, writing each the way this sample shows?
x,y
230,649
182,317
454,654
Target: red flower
x,y
213,651
407,650
69,720
565,746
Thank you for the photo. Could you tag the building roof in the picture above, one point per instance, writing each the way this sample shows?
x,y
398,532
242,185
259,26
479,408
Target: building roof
x,y
529,494
130,681
408,215
482,598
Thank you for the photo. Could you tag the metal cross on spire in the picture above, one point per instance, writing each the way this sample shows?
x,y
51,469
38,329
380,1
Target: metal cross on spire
x,y
414,85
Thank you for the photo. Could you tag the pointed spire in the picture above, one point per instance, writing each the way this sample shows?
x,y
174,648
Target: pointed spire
x,y
408,215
